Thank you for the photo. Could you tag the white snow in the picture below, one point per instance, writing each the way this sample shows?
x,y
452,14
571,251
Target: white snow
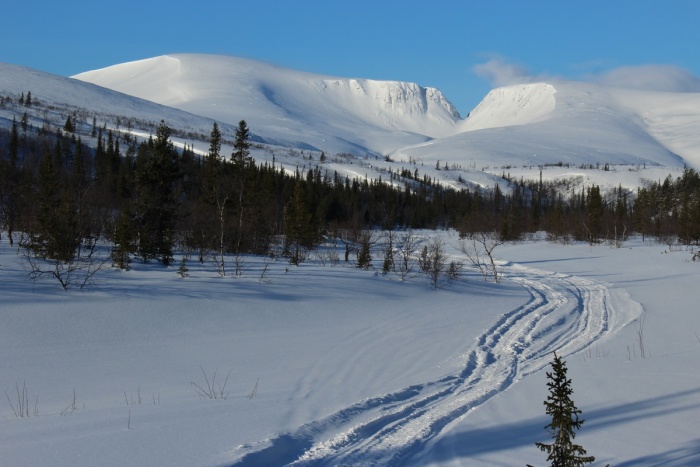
x,y
514,105
352,367
522,126
326,113
349,366
67,95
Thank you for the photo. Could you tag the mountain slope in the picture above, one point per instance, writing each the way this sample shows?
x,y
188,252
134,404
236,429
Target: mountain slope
x,y
523,125
287,106
65,95
518,130
570,123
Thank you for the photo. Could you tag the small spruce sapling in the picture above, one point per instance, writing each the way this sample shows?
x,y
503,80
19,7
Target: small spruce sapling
x,y
565,420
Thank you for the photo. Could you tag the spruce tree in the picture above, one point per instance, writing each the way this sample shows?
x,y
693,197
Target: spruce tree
x,y
299,232
157,174
215,142
388,264
68,126
565,420
54,234
10,183
241,146
364,254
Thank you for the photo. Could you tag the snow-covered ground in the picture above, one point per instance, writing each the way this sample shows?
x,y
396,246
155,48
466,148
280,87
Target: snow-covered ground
x,y
341,366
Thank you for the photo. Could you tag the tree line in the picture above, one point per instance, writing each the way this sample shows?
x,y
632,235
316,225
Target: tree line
x,y
60,196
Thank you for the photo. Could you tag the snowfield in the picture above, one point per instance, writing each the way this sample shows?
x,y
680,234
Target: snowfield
x,y
340,366
319,365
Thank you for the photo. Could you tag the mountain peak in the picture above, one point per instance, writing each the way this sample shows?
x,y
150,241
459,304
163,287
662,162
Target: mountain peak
x,y
512,105
288,105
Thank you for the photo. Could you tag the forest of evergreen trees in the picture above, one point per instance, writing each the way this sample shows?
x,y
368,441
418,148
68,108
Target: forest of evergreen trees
x,y
59,197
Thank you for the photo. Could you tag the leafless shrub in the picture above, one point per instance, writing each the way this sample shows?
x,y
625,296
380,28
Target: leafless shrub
x,y
78,271
617,239
639,329
404,260
267,260
254,392
133,400
72,407
238,264
22,406
209,389
432,261
479,248
325,255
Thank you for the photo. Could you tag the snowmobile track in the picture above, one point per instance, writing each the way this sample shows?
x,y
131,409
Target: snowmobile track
x,y
564,314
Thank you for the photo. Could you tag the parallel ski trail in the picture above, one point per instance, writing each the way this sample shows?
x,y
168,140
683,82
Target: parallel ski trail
x,y
564,314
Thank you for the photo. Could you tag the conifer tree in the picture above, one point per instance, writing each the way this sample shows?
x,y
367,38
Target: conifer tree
x,y
55,234
124,240
215,142
68,126
156,179
25,124
9,184
388,264
565,420
364,254
298,228
241,146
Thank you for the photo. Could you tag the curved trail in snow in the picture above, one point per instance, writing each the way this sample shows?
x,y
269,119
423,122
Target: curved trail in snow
x,y
564,313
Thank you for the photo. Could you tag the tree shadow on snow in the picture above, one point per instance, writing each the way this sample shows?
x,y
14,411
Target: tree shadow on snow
x,y
689,454
481,441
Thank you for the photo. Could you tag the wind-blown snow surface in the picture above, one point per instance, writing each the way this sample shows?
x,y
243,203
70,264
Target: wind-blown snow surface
x,y
348,367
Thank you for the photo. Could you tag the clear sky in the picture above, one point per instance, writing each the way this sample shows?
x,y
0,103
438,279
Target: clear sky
x,y
462,47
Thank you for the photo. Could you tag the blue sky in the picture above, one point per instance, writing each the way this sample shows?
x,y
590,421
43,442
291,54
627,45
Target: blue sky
x,y
463,48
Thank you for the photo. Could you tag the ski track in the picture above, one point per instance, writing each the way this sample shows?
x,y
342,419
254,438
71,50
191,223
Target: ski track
x,y
565,314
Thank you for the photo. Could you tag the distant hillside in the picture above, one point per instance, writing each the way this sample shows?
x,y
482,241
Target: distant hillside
x,y
529,124
290,107
61,96
572,130
568,123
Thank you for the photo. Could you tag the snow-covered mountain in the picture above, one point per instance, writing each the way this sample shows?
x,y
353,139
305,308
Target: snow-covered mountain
x,y
572,123
62,96
522,125
286,106
569,129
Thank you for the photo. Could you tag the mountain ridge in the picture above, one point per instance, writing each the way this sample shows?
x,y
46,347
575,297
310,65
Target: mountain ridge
x,y
377,126
327,113
547,122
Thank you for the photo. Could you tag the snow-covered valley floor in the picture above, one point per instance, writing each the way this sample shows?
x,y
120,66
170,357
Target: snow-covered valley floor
x,y
341,366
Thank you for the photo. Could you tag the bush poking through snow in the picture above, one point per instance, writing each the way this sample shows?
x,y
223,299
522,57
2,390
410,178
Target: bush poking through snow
x,y
21,406
209,390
